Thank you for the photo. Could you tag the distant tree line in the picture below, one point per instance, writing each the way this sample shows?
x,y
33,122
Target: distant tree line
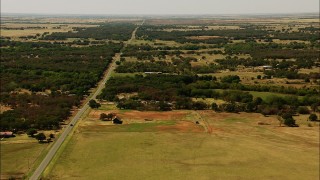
x,y
111,31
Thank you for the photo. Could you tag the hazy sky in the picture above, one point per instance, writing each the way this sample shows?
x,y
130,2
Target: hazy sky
x,y
159,6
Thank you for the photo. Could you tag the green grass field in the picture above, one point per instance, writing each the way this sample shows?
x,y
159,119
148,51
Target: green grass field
x,y
236,148
18,159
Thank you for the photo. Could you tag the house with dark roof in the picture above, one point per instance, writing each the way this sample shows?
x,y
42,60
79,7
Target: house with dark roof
x,y
117,120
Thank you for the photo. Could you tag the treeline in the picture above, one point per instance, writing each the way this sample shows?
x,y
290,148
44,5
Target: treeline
x,y
271,51
159,92
179,65
158,66
247,33
111,31
147,52
152,32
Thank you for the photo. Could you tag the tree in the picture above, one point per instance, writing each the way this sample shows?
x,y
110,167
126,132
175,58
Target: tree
x,y
51,136
280,119
214,106
314,107
106,117
229,108
103,116
313,117
258,101
164,106
199,105
93,104
31,132
40,137
303,110
231,79
288,120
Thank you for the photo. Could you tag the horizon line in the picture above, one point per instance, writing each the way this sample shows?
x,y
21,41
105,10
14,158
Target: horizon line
x,y
161,14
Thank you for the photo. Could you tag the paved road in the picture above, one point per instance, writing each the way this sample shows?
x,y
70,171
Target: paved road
x,y
37,173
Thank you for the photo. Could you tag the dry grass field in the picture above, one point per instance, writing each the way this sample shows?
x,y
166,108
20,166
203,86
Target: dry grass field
x,y
170,145
20,155
32,31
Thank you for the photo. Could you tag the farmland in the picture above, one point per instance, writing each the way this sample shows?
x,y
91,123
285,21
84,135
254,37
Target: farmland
x,y
165,148
198,98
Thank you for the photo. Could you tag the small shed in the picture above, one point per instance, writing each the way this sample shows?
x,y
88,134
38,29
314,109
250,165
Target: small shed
x,y
117,120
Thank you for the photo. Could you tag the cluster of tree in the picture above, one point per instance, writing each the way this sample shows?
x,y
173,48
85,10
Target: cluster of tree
x,y
153,32
107,117
94,104
302,35
256,87
291,74
160,92
130,49
36,111
158,66
111,31
270,51
54,67
23,28
67,73
229,62
32,132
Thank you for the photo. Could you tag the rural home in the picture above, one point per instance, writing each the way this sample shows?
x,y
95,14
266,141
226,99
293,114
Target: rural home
x,y
267,67
6,134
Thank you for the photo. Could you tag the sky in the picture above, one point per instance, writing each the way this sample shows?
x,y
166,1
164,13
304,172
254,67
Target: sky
x,y
162,7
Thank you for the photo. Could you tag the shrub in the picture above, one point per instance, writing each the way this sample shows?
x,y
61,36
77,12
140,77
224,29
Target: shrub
x,y
40,137
31,132
214,107
288,120
229,108
313,117
199,105
231,79
303,110
94,104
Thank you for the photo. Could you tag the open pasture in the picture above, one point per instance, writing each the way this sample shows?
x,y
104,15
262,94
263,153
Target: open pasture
x,y
228,146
